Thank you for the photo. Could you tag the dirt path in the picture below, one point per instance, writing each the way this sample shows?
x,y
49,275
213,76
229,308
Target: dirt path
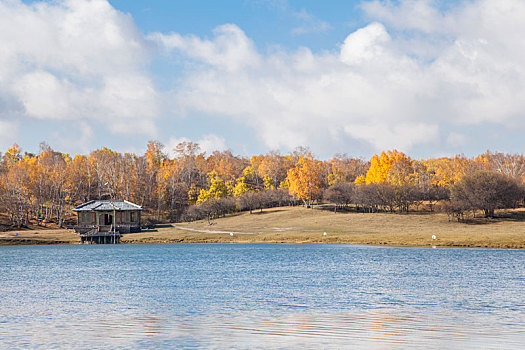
x,y
212,231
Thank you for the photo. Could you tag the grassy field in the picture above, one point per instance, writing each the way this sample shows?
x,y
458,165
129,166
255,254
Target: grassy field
x,y
300,225
39,236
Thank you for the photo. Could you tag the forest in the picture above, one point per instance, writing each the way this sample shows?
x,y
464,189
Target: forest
x,y
42,188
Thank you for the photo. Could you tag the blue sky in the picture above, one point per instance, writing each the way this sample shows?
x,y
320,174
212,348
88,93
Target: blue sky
x,y
267,22
427,77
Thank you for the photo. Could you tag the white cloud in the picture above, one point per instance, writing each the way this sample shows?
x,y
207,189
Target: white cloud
x,y
76,60
8,133
310,24
403,136
231,49
456,139
273,4
416,75
43,95
211,142
421,15
169,147
365,44
376,87
79,140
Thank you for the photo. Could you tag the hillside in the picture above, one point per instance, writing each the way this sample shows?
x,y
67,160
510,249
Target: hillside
x,y
300,225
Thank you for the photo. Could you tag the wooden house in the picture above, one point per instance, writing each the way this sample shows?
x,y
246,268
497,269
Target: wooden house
x,y
103,221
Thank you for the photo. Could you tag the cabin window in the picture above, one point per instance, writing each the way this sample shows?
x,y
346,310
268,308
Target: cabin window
x,y
131,217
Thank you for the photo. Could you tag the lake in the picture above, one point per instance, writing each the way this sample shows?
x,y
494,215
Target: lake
x,y
250,296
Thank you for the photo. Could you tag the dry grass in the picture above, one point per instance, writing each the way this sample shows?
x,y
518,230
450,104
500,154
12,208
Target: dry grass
x,y
39,236
300,225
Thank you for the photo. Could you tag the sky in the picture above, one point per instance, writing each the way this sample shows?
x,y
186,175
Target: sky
x,y
427,77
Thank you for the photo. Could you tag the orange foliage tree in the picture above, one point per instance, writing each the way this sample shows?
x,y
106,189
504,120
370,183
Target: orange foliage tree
x,y
305,180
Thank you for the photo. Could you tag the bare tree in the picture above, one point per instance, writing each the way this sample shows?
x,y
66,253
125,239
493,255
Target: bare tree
x,y
487,191
341,194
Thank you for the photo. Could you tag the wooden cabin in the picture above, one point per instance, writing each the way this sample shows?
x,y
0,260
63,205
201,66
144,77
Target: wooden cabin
x,y
106,220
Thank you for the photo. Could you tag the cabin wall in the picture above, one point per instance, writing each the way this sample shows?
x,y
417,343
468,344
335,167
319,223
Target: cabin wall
x,y
126,221
86,218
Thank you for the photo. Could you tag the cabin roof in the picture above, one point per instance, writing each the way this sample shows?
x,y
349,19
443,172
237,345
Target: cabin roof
x,y
108,205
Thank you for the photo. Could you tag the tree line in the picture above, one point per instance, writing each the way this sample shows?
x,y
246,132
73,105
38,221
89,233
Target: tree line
x,y
42,187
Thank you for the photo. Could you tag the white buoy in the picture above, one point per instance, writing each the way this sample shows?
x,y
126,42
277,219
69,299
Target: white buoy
x,y
324,233
231,233
433,236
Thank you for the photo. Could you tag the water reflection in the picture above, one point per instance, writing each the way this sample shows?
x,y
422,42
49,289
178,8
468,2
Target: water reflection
x,y
379,328
247,296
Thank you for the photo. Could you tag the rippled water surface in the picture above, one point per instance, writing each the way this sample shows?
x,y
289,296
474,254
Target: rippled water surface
x,y
260,296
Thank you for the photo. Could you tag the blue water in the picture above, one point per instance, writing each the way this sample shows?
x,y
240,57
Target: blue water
x,y
260,296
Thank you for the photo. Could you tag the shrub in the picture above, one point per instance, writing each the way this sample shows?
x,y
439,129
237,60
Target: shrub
x,y
341,194
486,191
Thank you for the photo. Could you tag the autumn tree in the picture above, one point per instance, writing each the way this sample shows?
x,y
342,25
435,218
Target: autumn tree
x,y
401,173
104,167
43,186
445,172
305,180
217,188
511,165
226,165
190,161
249,181
343,169
54,175
155,157
272,168
12,156
174,191
391,166
16,195
81,179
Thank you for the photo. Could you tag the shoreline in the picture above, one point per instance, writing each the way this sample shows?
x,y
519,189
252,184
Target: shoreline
x,y
297,225
233,240
48,243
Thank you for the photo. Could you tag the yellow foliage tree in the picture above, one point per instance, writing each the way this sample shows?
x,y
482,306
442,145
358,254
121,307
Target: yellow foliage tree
x,y
241,187
401,172
445,172
12,156
343,169
305,181
272,168
268,183
193,193
361,179
154,154
218,188
380,167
